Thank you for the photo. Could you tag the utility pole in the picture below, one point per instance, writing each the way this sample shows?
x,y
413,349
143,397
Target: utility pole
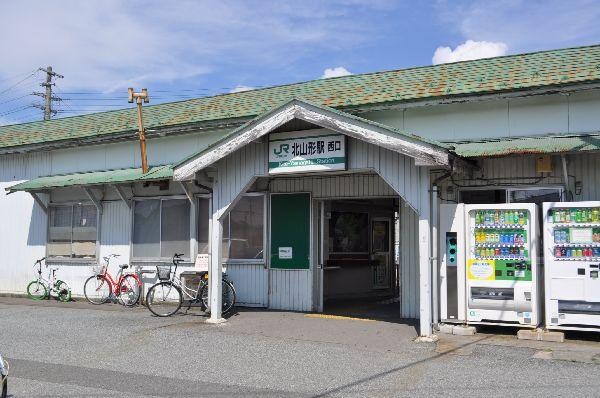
x,y
139,97
48,98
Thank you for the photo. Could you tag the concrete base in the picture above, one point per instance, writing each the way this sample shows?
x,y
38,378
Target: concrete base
x,y
427,339
446,328
541,335
216,321
461,330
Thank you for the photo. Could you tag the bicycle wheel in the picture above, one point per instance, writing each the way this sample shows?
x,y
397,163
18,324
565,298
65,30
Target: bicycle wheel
x,y
97,289
228,295
129,291
36,290
63,291
164,299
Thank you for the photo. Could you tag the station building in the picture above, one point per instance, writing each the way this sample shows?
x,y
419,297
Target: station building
x,y
312,195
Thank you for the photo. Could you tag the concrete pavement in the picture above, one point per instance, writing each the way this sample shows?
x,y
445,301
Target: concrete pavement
x,y
77,349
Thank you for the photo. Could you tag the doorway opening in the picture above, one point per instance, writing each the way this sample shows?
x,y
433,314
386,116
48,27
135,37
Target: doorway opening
x,y
359,252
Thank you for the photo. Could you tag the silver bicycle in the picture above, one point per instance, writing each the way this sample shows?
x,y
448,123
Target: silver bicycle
x,y
167,296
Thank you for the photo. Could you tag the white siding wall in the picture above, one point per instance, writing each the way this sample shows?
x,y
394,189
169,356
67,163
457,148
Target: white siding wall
x,y
409,263
290,289
547,114
22,222
520,171
251,282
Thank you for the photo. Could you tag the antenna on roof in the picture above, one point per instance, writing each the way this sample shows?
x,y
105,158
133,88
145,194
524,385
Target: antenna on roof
x,y
139,97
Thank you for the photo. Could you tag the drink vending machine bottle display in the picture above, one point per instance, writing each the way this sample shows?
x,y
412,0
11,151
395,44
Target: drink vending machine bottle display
x,y
572,265
502,266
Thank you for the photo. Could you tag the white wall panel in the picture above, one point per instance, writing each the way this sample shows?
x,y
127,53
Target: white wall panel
x,y
409,263
290,289
115,233
336,186
250,282
23,223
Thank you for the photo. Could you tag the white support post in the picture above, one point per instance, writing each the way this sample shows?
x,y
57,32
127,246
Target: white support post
x,y
39,201
122,195
94,200
194,218
216,262
424,256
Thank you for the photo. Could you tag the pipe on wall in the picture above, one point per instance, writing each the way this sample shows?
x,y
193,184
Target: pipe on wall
x,y
434,256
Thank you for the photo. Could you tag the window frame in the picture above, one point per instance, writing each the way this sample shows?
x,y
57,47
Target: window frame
x,y
508,189
192,232
56,259
263,260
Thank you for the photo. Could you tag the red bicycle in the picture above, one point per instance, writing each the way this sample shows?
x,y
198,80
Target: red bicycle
x,y
101,287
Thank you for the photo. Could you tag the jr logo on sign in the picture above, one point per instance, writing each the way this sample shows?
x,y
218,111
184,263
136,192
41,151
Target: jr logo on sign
x,y
283,149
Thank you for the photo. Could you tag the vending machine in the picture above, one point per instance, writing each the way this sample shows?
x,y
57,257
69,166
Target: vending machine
x,y
502,273
572,265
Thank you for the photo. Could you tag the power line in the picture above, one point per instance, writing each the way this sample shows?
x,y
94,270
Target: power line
x,y
17,83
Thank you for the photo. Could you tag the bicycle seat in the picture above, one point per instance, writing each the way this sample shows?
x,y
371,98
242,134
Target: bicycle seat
x,y
53,268
124,266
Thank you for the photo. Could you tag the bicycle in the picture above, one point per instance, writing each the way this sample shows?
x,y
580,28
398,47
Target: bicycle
x,y
100,287
166,297
42,288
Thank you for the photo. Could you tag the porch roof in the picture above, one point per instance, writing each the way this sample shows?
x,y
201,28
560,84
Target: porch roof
x,y
531,145
93,178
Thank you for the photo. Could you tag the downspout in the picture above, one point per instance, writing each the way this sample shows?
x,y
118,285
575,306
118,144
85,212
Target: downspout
x,y
563,159
434,256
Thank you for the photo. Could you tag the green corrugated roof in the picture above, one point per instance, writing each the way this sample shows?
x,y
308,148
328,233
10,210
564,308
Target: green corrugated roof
x,y
528,145
492,75
93,178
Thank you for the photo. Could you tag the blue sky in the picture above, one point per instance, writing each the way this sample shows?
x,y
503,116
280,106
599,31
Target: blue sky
x,y
185,49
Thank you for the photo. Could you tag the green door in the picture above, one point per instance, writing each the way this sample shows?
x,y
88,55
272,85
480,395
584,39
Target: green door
x,y
290,231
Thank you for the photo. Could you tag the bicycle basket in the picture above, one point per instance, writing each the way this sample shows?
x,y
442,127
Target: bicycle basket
x,y
98,269
164,273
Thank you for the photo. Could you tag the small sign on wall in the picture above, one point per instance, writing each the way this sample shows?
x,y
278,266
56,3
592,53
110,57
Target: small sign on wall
x,y
286,253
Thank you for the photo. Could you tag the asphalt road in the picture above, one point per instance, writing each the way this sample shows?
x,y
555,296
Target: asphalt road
x,y
79,350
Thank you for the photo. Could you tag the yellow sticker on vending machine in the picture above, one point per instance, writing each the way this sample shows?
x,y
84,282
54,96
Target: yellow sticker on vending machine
x,y
481,270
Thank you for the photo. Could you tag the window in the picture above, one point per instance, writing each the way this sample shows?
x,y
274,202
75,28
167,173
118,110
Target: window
x,y
161,228
483,196
538,196
243,230
516,195
72,231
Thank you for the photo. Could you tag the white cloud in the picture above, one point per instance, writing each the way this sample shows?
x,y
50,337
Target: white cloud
x,y
112,44
524,25
240,88
335,72
469,50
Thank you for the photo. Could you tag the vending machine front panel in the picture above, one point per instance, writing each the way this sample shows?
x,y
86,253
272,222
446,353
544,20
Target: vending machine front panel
x,y
501,267
572,265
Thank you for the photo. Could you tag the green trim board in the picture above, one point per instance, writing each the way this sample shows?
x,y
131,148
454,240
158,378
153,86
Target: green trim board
x,y
94,178
290,231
